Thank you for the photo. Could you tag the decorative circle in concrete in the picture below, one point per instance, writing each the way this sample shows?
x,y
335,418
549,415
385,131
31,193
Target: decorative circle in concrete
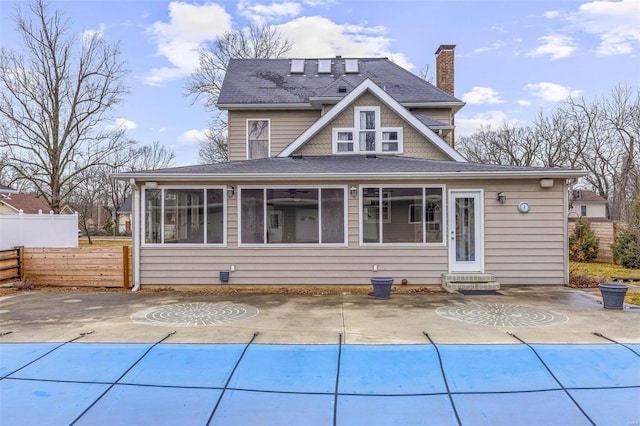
x,y
501,315
194,314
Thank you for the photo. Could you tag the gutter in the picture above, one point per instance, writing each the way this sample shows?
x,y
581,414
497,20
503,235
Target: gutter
x,y
370,176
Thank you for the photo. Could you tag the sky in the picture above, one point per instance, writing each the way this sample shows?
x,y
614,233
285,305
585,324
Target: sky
x,y
513,58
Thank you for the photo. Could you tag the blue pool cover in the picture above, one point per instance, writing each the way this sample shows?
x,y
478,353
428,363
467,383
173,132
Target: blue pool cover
x,y
250,384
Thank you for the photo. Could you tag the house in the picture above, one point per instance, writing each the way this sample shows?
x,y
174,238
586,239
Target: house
x,y
588,204
124,216
15,203
344,169
595,209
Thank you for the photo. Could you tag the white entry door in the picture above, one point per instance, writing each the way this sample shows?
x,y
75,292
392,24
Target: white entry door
x,y
466,231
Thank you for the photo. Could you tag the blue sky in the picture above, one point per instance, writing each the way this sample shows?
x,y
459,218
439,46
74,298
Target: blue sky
x,y
514,58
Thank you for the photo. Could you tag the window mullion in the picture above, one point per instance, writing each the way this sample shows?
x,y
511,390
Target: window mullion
x,y
205,204
424,215
265,223
162,216
319,215
380,216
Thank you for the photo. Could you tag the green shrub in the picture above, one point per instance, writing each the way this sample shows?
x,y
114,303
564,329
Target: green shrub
x,y
583,242
626,249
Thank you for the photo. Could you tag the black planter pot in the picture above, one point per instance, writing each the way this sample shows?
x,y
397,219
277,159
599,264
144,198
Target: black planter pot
x,y
613,295
381,287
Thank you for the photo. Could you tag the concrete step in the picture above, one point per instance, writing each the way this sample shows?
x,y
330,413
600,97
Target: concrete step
x,y
469,281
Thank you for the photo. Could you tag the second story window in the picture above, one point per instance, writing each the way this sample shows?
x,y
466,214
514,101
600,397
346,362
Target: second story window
x,y
258,139
367,123
367,134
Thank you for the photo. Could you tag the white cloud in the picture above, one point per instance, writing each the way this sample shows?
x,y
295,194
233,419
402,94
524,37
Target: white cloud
x,y
179,39
192,137
122,124
552,14
551,92
495,46
88,35
482,95
616,23
524,102
466,126
316,36
557,46
262,14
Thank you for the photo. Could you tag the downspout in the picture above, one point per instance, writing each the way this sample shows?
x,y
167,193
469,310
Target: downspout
x,y
568,188
136,235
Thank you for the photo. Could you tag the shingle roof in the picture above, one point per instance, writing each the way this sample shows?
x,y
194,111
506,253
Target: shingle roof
x,y
26,202
588,196
353,165
269,81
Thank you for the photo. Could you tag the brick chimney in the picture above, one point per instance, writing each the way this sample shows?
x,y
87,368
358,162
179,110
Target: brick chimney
x,y
444,67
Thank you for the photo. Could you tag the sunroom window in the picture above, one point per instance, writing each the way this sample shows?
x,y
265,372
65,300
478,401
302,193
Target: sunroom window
x,y
298,215
402,215
184,216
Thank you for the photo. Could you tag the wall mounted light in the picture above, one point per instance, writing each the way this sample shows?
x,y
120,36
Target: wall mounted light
x,y
231,191
353,191
501,197
546,183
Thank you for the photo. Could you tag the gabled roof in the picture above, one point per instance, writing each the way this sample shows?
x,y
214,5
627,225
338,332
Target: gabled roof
x,y
361,167
251,83
28,203
126,206
369,86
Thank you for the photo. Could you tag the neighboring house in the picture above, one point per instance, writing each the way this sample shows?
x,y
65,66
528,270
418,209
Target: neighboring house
x,y
595,208
341,170
27,203
588,204
14,202
124,216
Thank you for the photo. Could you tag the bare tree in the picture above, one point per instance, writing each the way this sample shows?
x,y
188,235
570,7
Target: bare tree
x,y
56,97
600,136
425,73
214,149
146,157
253,42
510,144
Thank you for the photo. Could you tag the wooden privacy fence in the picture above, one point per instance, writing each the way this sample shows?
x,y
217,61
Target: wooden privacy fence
x,y
11,265
79,267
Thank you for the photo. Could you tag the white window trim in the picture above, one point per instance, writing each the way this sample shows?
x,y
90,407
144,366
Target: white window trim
x,y
355,130
268,120
266,245
162,244
424,227
334,137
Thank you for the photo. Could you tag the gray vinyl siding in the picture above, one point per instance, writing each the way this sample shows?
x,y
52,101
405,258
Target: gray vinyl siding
x,y
519,248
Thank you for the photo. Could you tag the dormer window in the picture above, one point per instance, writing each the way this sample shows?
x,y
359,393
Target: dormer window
x,y
367,135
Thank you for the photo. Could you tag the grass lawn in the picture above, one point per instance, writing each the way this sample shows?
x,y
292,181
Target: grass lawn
x,y
606,272
104,241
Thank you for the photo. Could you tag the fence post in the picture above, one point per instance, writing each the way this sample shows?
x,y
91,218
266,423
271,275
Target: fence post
x,y
20,253
125,266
